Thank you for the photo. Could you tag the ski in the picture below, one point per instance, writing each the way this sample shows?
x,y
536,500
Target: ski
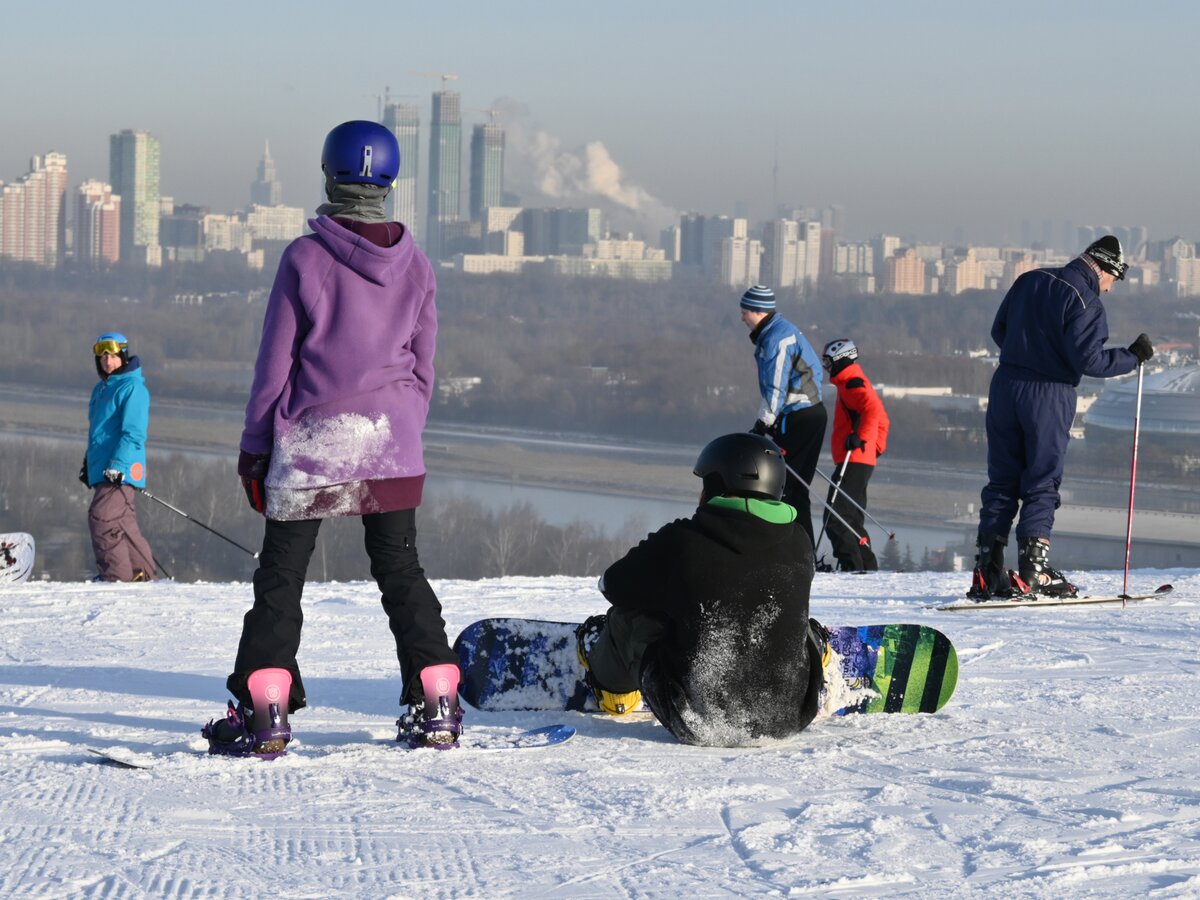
x,y
1026,602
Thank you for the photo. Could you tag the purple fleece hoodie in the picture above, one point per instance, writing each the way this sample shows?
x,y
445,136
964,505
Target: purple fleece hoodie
x,y
344,372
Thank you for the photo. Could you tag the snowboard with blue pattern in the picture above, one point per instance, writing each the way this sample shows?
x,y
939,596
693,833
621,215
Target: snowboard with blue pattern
x,y
528,664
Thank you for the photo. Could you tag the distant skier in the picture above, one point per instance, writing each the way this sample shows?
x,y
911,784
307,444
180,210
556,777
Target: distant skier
x,y
1051,329
709,618
115,462
333,428
789,380
860,433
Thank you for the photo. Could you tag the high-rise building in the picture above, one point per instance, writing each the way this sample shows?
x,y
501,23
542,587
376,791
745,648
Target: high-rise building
x,y
487,168
133,163
783,254
904,273
266,190
445,164
97,225
33,213
404,122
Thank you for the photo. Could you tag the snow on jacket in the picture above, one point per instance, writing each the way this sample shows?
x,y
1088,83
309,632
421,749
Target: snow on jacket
x,y
118,417
1051,326
859,411
732,668
344,374
789,370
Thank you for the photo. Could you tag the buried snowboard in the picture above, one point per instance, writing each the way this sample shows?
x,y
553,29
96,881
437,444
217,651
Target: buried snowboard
x,y
16,557
527,664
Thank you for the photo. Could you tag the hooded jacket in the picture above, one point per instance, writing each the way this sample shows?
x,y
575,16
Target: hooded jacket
x,y
1051,326
731,584
118,417
344,374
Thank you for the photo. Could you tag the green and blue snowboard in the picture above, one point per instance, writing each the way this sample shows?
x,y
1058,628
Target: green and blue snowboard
x,y
528,664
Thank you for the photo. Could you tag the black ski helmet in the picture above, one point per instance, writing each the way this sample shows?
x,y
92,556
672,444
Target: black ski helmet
x,y
1106,252
743,464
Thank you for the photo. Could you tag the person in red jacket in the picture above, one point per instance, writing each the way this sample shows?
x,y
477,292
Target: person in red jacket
x,y
860,432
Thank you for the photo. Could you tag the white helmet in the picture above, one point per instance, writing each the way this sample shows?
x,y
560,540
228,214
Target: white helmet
x,y
840,349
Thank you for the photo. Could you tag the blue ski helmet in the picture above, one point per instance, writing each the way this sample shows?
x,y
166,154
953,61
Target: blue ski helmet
x,y
361,152
111,342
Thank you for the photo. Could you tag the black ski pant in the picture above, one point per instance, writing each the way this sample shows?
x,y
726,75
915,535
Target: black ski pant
x,y
802,435
851,485
271,629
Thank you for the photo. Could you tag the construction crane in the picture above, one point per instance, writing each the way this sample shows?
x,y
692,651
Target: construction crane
x,y
445,76
492,112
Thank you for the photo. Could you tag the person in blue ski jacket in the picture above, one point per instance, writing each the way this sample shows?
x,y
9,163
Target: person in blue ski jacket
x,y
115,462
1051,329
789,380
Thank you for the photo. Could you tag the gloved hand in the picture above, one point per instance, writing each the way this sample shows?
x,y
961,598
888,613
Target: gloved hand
x,y
854,442
253,468
83,479
114,476
761,427
1142,348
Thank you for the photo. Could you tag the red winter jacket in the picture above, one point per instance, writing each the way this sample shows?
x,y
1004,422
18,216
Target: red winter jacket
x,y
861,412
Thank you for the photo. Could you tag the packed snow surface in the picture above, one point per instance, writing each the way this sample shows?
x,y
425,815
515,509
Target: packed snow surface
x,y
1065,764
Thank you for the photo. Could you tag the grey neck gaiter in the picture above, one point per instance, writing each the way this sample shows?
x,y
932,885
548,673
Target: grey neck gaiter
x,y
362,202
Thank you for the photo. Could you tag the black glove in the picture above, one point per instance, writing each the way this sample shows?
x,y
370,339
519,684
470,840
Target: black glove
x,y
253,470
854,442
761,427
114,476
83,479
1142,348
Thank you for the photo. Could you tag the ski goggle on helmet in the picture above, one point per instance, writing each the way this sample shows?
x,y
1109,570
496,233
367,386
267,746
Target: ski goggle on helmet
x,y
110,342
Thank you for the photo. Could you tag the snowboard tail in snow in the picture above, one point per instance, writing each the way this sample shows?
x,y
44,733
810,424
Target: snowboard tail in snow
x,y
528,664
16,557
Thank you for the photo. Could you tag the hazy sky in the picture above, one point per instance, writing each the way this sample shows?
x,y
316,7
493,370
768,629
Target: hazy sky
x,y
919,118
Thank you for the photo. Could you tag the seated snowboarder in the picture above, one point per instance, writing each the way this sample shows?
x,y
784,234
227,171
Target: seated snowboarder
x,y
709,618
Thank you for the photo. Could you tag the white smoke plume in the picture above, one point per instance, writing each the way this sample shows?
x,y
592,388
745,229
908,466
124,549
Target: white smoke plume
x,y
544,173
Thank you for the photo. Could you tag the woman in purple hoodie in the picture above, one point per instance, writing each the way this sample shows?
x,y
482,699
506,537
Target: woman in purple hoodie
x,y
333,428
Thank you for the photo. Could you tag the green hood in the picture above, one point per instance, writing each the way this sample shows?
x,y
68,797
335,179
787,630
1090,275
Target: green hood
x,y
774,511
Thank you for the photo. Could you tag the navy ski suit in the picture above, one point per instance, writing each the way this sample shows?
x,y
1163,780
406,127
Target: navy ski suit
x,y
1051,329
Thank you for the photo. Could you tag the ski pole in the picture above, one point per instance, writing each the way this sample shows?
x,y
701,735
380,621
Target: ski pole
x,y
863,541
837,491
862,509
1137,424
198,522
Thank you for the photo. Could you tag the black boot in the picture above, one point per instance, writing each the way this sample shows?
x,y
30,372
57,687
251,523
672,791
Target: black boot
x,y
1035,575
990,578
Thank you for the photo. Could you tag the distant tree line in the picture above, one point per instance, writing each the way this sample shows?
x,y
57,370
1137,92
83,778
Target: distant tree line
x,y
459,537
666,361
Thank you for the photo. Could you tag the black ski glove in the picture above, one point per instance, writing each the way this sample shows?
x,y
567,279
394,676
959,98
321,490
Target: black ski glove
x,y
761,427
1142,348
83,479
854,442
114,476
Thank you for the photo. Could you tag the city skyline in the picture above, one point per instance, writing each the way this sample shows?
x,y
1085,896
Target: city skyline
x,y
932,119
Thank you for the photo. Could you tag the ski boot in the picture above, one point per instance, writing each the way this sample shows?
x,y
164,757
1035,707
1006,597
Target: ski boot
x,y
989,579
1036,577
241,734
614,704
434,720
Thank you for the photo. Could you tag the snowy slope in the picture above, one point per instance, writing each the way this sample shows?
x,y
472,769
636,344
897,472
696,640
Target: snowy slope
x,y
1064,765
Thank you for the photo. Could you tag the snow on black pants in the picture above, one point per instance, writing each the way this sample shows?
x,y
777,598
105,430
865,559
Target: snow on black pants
x,y
271,629
1028,427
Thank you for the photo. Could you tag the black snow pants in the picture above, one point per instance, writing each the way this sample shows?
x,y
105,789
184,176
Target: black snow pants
x,y
271,629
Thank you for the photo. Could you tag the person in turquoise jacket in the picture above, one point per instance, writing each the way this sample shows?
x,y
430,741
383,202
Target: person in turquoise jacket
x,y
115,463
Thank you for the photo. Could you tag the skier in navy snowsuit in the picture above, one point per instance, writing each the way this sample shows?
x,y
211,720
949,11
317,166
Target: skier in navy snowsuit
x,y
1051,329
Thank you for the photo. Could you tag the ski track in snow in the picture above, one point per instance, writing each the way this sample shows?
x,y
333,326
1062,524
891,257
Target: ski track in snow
x,y
1063,765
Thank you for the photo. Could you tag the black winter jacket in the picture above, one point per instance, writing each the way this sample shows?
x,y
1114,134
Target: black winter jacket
x,y
732,668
